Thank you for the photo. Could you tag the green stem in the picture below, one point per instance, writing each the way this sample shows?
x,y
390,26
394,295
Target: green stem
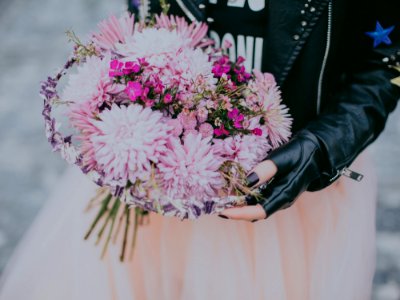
x,y
135,230
110,215
100,214
124,242
113,214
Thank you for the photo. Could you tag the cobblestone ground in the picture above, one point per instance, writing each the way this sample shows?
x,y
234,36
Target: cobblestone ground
x,y
32,45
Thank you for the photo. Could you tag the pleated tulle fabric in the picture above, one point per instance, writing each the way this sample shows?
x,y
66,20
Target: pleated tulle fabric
x,y
321,248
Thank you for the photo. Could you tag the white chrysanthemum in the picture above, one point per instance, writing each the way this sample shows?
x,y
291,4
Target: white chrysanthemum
x,y
151,43
130,139
195,63
91,83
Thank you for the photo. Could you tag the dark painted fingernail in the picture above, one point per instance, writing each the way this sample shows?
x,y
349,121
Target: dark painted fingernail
x,y
252,179
251,200
254,221
223,217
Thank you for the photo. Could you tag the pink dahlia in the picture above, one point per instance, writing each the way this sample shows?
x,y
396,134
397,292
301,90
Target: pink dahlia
x,y
113,31
247,150
190,169
130,138
92,83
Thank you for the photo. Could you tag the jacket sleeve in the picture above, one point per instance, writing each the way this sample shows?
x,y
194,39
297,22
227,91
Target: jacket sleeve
x,y
360,108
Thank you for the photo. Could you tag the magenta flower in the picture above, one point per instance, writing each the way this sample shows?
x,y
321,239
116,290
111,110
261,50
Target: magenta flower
x,y
134,90
240,60
131,67
167,98
221,131
236,117
257,131
241,74
221,66
116,68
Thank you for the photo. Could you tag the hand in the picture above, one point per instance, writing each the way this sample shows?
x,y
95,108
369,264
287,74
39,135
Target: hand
x,y
262,173
294,166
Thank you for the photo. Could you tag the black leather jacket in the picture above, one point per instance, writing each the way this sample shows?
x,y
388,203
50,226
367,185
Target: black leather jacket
x,y
336,84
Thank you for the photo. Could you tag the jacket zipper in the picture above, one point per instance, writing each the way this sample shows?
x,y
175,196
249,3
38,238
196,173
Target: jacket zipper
x,y
325,60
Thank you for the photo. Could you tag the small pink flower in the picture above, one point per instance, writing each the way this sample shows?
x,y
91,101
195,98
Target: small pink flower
x,y
115,68
221,131
131,67
167,98
142,61
233,114
206,130
240,60
188,120
176,126
134,90
227,44
257,131
221,66
236,117
202,114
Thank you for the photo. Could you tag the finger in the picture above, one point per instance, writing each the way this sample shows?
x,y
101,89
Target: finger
x,y
261,173
247,213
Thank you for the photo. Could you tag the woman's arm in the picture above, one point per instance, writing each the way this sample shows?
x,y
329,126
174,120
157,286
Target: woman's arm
x,y
316,155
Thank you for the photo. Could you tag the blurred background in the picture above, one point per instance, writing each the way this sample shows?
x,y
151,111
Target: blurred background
x,y
33,45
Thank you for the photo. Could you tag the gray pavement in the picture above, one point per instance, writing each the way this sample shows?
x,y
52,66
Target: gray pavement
x,y
32,46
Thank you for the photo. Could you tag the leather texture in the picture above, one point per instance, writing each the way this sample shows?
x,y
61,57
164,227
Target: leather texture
x,y
353,91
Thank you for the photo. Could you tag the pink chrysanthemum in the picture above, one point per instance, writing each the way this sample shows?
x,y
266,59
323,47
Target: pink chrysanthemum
x,y
276,115
92,83
278,124
130,139
194,34
177,127
81,116
190,169
114,30
247,150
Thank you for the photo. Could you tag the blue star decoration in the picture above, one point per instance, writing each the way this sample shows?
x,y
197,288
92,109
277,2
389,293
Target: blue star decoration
x,y
380,35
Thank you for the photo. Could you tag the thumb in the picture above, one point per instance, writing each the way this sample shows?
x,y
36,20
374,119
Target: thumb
x,y
261,173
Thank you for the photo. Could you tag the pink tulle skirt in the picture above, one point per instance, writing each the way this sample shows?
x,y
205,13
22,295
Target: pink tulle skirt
x,y
321,248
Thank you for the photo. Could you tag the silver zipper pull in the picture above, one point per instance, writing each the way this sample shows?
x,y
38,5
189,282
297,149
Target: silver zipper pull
x,y
351,174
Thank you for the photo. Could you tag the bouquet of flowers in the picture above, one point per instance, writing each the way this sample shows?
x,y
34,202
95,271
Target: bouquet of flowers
x,y
161,120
